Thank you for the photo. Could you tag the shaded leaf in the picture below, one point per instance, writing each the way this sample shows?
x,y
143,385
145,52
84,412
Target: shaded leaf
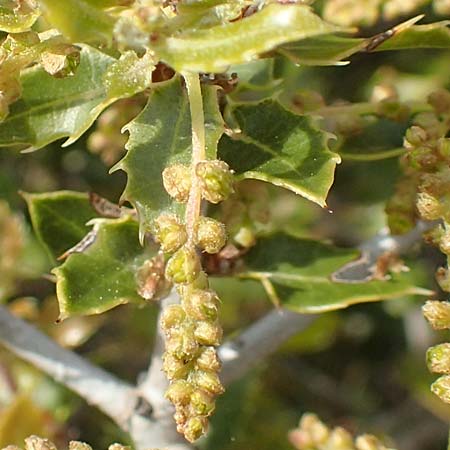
x,y
104,275
161,136
59,219
79,20
435,35
52,108
296,274
16,17
215,48
281,148
329,49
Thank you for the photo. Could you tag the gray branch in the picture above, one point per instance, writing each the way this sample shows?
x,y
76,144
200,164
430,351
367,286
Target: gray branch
x,y
158,427
259,341
98,387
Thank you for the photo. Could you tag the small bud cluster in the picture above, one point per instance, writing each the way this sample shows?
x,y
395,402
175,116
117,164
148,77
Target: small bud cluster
x,y
192,328
37,443
312,434
438,357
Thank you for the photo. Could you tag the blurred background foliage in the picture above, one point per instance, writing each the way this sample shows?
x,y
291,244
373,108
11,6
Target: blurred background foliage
x,y
362,368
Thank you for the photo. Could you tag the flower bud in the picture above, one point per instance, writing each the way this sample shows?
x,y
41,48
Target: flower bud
x,y
440,101
174,367
245,237
437,313
444,243
216,180
208,381
415,136
340,439
438,358
179,392
301,439
195,428
210,235
441,387
177,182
182,344
428,206
169,232
201,304
202,403
317,430
368,442
184,266
208,359
77,445
443,279
208,333
173,316
37,443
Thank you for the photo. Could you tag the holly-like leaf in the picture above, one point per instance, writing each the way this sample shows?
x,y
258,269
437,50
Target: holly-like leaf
x,y
282,148
79,20
59,219
435,35
215,48
296,274
16,17
104,274
330,49
161,136
52,108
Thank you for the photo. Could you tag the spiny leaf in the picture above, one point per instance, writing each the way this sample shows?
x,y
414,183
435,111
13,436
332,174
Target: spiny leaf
x,y
16,17
51,108
330,49
215,48
104,275
282,148
59,219
161,136
435,35
79,20
296,274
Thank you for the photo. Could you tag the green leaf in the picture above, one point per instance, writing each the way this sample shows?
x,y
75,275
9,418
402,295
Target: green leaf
x,y
435,35
329,49
281,148
52,108
79,20
296,274
104,275
214,49
59,219
161,136
322,50
17,17
129,75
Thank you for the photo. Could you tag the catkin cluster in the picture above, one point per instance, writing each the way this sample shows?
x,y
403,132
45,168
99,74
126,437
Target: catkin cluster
x,y
192,328
37,443
425,193
438,357
312,434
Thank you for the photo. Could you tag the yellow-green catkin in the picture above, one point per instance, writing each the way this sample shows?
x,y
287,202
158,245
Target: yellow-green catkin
x,y
192,328
313,434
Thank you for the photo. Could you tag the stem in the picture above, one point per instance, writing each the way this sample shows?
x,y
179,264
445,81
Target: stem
x,y
366,157
198,151
367,108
